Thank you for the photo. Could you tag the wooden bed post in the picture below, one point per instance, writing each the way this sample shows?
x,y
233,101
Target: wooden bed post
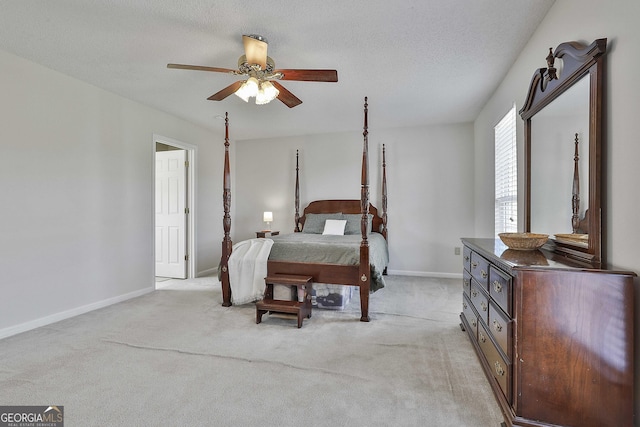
x,y
227,245
384,194
297,197
575,190
365,269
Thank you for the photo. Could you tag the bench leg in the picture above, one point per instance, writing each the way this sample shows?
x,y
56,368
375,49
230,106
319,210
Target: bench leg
x,y
259,314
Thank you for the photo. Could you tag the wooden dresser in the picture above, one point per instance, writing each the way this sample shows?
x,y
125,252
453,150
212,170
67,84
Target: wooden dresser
x,y
555,340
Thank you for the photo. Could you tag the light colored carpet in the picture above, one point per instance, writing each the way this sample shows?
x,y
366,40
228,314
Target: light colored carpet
x,y
177,357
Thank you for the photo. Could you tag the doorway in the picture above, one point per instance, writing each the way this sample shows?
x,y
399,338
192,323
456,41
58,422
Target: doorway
x,y
174,205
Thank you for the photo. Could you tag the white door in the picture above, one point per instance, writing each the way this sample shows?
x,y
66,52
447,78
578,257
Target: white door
x,y
171,215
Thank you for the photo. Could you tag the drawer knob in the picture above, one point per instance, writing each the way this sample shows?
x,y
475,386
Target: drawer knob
x,y
499,368
474,323
483,305
474,293
474,264
497,326
483,338
465,281
484,274
464,305
466,258
497,286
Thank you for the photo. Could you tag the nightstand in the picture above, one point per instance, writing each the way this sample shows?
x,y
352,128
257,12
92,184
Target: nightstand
x,y
266,233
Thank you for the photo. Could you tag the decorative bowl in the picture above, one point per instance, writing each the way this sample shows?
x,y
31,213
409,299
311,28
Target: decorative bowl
x,y
523,241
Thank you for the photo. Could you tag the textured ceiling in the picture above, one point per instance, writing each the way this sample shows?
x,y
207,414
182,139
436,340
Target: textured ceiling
x,y
419,62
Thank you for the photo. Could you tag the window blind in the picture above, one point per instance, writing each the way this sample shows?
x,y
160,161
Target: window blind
x,y
506,174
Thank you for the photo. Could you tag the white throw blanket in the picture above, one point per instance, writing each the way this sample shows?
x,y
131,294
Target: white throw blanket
x,y
247,270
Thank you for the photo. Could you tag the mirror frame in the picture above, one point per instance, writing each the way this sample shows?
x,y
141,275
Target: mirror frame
x,y
578,60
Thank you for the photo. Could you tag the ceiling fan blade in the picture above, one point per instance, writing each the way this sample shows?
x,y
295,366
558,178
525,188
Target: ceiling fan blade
x,y
219,96
201,68
255,50
309,75
287,98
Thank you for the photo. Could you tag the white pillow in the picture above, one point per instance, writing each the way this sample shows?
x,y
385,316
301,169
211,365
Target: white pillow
x,y
334,227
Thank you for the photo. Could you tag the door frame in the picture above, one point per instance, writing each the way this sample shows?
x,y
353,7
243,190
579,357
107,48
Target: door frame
x,y
192,152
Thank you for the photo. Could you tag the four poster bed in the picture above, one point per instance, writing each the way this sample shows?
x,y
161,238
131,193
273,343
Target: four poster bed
x,y
355,258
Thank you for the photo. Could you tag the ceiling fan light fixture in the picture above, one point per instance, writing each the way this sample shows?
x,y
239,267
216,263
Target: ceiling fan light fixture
x,y
248,89
261,75
266,93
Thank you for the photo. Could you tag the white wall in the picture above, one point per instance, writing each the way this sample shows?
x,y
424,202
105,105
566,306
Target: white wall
x,y
76,179
429,178
583,20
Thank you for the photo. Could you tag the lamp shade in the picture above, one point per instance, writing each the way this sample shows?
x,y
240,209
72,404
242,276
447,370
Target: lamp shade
x,y
268,217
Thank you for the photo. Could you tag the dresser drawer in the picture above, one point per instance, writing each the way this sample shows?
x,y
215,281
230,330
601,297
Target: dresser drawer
x,y
500,327
466,283
470,317
480,301
499,368
500,289
480,269
466,258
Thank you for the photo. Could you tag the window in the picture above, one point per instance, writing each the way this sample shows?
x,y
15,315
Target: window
x,y
506,174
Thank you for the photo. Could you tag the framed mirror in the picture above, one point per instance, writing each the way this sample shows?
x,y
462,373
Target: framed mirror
x,y
563,138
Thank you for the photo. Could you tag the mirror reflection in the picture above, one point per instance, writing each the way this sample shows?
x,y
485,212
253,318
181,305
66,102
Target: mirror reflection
x,y
553,136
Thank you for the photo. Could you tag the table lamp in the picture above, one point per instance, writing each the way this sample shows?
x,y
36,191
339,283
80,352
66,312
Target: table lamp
x,y
268,217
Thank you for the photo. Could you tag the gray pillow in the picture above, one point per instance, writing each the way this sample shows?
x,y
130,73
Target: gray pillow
x,y
314,223
353,223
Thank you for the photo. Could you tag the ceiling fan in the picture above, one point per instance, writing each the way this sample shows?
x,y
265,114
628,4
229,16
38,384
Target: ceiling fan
x,y
262,77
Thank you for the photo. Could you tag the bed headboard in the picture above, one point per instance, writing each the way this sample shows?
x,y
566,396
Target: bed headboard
x,y
344,206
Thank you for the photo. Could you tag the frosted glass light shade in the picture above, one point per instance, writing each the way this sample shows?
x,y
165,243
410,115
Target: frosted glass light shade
x,y
248,89
266,93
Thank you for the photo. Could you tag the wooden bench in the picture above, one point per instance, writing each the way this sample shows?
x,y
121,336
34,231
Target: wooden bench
x,y
301,307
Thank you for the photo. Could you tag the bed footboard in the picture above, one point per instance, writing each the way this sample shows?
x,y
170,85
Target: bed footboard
x,y
327,273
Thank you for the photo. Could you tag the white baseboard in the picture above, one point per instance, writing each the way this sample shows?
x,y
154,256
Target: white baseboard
x,y
425,274
47,320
